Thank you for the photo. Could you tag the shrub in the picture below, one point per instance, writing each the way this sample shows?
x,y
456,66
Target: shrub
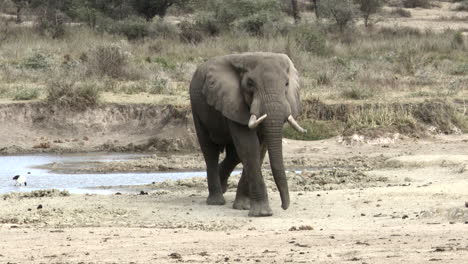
x,y
108,60
67,93
416,3
458,41
254,24
368,8
358,93
343,12
163,62
380,116
463,6
36,61
312,40
162,29
316,130
50,21
227,12
132,28
391,32
26,94
324,79
207,23
158,86
401,12
190,33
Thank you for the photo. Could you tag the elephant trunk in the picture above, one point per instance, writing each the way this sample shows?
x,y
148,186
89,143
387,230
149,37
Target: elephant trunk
x,y
273,128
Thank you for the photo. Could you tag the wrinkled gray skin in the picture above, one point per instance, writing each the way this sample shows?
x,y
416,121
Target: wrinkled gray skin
x,y
225,93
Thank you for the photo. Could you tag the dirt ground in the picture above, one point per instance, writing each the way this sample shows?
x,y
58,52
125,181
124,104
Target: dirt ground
x,y
357,203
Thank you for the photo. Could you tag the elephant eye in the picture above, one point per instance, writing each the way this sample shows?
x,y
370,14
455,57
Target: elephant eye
x,y
287,83
250,82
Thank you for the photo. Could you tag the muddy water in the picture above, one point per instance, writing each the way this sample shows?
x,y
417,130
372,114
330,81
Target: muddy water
x,y
75,183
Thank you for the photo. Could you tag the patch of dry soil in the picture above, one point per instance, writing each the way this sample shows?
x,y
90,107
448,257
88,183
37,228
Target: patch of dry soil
x,y
370,211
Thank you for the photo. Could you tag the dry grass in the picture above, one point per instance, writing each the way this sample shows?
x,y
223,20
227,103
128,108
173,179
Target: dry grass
x,y
383,65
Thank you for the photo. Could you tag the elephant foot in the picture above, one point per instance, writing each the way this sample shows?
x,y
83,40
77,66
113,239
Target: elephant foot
x,y
215,199
260,208
241,203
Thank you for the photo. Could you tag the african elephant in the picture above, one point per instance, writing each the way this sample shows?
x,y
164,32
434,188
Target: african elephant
x,y
240,103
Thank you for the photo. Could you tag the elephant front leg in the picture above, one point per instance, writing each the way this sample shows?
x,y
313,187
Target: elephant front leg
x,y
242,201
249,151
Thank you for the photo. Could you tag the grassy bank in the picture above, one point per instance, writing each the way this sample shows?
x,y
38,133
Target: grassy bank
x,y
376,66
381,65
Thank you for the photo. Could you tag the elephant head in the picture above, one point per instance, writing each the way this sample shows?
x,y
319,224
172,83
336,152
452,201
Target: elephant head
x,y
261,91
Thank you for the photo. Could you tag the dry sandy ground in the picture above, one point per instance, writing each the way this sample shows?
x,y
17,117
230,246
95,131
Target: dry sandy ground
x,y
408,205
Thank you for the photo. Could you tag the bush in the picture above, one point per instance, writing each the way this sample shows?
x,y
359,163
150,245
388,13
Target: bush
x,y
162,29
26,94
358,93
311,39
208,24
246,14
50,22
190,33
401,12
380,116
255,23
109,60
343,12
37,61
316,130
416,3
369,7
463,6
457,41
66,93
132,28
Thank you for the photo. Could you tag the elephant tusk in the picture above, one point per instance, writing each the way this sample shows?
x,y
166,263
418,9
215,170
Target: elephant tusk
x,y
295,125
254,122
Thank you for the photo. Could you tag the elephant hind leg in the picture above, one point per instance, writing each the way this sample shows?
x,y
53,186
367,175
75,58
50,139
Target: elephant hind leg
x,y
228,165
211,153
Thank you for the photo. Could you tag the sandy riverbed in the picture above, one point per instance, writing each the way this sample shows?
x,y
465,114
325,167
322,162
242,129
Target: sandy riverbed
x,y
366,204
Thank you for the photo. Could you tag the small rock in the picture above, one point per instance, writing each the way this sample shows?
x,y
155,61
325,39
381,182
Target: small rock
x,y
143,193
175,255
39,207
118,193
404,216
466,204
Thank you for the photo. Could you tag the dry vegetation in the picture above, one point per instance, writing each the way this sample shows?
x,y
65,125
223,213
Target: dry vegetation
x,y
380,64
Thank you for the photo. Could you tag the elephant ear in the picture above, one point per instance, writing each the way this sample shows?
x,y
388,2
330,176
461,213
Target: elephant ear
x,y
292,92
222,88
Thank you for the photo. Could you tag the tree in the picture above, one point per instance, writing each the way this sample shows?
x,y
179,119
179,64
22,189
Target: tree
x,y
152,8
20,5
368,8
342,11
314,5
295,11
